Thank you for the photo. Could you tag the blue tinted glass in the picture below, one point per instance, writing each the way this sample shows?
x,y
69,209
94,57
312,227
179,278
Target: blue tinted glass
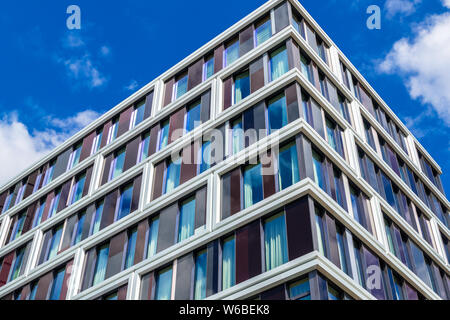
x,y
228,264
277,113
317,165
119,161
101,263
97,218
79,231
263,32
200,276
238,136
300,290
140,110
187,220
78,190
241,86
153,238
278,63
131,248
253,191
125,202
388,191
193,117
288,166
145,143
57,285
164,285
54,245
181,86
208,69
275,242
164,135
232,53
206,156
172,176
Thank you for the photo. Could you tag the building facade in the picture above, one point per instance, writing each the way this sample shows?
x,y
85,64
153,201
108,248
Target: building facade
x,y
296,181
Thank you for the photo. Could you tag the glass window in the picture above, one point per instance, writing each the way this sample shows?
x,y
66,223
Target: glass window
x,y
263,31
232,53
200,276
305,67
131,248
54,242
321,234
205,156
48,175
38,181
7,202
57,284
331,132
388,191
97,218
334,293
17,264
152,237
144,147
74,157
33,290
112,133
300,290
181,86
18,226
79,229
164,135
241,86
193,116
288,173
138,114
54,204
38,213
277,112
275,243
278,63
253,189
342,249
117,164
164,284
208,68
187,219
124,206
358,262
20,192
77,189
296,23
172,176
389,237
228,263
420,266
97,142
237,136
101,263
317,166
396,286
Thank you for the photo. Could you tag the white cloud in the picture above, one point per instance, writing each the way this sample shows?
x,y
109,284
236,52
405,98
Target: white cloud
x,y
423,61
401,7
446,3
22,147
72,40
132,86
105,51
83,69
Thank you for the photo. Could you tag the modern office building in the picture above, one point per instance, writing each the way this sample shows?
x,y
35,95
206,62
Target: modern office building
x,y
315,188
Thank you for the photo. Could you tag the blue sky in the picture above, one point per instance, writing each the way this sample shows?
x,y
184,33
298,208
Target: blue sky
x,y
54,81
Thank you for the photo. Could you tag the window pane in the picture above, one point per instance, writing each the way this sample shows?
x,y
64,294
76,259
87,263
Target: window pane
x,y
131,248
205,156
317,165
187,220
77,192
241,86
277,113
238,136
342,251
97,218
57,285
193,116
228,263
300,290
153,238
253,191
275,242
100,266
278,63
172,176
208,69
334,293
164,135
288,173
232,53
17,264
118,162
79,230
164,285
331,134
321,235
305,67
143,148
140,109
181,86
54,245
125,202
263,32
200,276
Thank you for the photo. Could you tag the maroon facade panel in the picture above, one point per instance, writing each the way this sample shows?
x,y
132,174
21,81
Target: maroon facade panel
x,y
292,94
195,74
332,241
200,207
65,190
131,153
116,253
235,192
148,105
109,209
248,252
256,71
65,284
43,286
30,184
107,168
168,89
122,293
124,121
176,125
48,201
218,58
6,266
246,40
105,133
154,135
299,228
87,146
189,165
269,187
142,230
227,94
148,282
158,182
87,182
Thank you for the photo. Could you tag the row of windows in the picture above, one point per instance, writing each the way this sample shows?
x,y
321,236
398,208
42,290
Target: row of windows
x,y
405,172
416,260
395,197
47,207
51,286
347,252
12,265
388,124
81,150
169,226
